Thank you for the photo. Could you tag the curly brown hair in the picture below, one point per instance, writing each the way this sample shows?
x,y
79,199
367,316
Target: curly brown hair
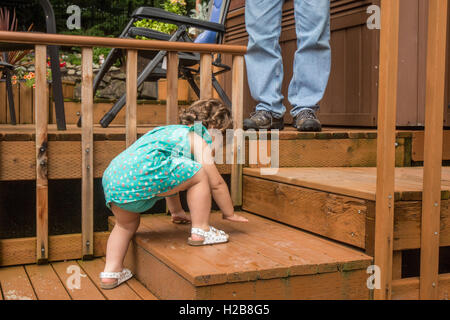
x,y
211,112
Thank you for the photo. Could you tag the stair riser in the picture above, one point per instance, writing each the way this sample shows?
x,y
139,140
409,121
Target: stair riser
x,y
345,219
319,152
165,283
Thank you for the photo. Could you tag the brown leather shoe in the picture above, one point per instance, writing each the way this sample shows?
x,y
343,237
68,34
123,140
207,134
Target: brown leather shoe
x,y
263,120
307,120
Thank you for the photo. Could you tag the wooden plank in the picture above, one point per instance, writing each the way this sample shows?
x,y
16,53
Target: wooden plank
x,y
237,101
18,159
86,290
336,217
172,88
87,158
387,97
140,289
93,269
148,113
46,283
408,288
261,236
15,284
41,120
434,117
206,76
131,112
140,261
418,141
355,182
61,247
396,264
407,224
26,104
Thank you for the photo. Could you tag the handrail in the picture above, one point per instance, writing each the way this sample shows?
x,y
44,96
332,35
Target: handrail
x,y
121,43
41,41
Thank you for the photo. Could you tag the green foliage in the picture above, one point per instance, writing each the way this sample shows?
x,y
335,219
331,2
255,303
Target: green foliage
x,y
174,6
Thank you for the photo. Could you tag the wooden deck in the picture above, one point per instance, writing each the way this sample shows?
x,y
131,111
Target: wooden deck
x,y
263,260
344,147
339,204
49,282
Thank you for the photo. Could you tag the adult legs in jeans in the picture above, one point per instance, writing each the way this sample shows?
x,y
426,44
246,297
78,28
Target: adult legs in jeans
x,y
312,60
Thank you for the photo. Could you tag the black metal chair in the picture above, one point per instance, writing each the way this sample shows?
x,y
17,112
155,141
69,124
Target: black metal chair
x,y
214,31
53,52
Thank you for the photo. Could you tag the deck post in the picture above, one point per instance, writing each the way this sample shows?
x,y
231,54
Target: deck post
x,y
131,107
206,76
41,120
238,118
434,117
172,88
387,109
87,156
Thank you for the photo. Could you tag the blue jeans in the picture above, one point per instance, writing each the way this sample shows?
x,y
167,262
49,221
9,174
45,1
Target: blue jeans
x,y
312,61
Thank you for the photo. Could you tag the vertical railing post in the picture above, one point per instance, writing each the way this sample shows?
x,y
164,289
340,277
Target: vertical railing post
x,y
387,108
41,120
131,107
206,76
87,151
237,100
172,88
434,118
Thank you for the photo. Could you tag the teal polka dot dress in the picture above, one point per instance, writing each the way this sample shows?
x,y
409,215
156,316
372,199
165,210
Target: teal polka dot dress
x,y
156,163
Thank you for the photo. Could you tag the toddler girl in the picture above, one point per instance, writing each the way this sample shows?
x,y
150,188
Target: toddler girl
x,y
158,165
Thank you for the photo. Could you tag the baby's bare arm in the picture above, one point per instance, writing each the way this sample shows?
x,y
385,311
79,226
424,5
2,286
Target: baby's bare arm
x,y
219,188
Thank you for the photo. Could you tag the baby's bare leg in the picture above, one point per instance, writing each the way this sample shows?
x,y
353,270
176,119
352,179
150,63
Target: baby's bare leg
x,y
126,225
199,200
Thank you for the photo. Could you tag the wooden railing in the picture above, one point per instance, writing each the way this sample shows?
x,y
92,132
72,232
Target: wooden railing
x,y
431,198
41,41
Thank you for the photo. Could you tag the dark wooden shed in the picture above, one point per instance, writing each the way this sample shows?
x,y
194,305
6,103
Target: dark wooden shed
x,y
351,98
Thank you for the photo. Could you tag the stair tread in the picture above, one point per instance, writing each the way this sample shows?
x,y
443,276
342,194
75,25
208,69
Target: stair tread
x,y
260,249
355,182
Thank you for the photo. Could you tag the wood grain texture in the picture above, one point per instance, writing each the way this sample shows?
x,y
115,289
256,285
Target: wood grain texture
x,y
387,102
356,182
87,289
250,266
41,120
408,288
131,105
121,43
15,284
87,151
61,247
333,216
206,76
46,282
172,88
237,101
434,117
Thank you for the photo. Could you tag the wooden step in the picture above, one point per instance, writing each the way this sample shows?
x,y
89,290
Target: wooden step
x,y
263,260
339,203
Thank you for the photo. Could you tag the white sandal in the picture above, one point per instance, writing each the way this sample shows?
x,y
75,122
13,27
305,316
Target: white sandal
x,y
213,236
120,276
